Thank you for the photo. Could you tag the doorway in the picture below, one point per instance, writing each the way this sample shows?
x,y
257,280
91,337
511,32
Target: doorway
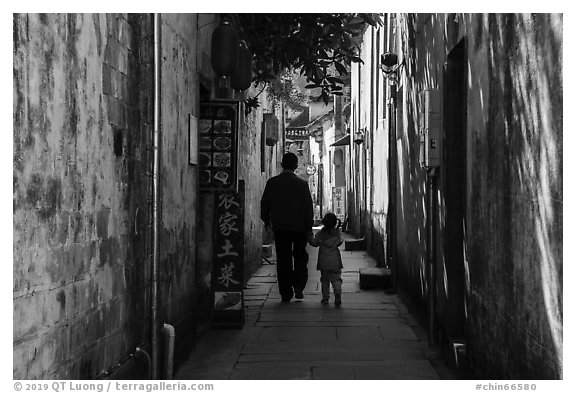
x,y
454,191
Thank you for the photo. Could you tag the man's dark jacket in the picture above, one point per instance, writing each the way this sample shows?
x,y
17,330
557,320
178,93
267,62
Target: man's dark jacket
x,y
286,203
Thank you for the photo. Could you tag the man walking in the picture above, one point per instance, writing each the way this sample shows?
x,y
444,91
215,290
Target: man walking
x,y
286,209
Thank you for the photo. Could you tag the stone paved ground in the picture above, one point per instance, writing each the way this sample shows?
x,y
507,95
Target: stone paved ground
x,y
372,336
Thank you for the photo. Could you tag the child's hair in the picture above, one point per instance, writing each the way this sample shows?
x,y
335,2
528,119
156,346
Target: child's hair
x,y
329,221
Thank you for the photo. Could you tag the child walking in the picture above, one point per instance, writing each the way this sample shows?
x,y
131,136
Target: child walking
x,y
329,258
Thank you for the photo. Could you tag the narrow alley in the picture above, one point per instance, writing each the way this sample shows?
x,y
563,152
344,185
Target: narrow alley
x,y
155,155
371,336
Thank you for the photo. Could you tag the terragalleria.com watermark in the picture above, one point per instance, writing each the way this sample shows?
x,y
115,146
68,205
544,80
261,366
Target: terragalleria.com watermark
x,y
69,386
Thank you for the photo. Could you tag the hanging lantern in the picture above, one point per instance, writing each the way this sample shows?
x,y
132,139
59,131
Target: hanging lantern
x,y
242,77
224,51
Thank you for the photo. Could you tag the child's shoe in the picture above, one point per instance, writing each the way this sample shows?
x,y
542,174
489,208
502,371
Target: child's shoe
x,y
337,300
324,300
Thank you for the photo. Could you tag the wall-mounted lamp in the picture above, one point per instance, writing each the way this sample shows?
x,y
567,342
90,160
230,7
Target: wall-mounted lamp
x,y
389,65
388,62
359,136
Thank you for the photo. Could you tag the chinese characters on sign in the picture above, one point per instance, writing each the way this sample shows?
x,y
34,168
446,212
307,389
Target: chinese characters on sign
x,y
228,261
297,133
217,144
339,202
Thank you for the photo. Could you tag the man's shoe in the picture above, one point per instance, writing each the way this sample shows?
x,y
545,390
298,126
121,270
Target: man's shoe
x,y
337,300
286,299
324,300
299,295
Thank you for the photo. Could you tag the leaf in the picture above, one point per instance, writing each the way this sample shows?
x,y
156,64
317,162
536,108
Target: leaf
x,y
346,40
355,24
249,104
310,44
368,19
356,20
340,68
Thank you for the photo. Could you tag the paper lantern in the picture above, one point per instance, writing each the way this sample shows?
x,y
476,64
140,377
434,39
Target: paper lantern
x,y
241,78
224,50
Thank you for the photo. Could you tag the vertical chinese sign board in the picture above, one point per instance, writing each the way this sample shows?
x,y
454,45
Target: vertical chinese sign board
x,y
218,134
218,144
228,261
339,202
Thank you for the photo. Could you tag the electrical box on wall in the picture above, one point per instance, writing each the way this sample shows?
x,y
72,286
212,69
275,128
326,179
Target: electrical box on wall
x,y
430,136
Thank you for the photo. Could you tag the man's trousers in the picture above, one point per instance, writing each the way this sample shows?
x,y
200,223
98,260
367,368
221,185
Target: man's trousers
x,y
291,262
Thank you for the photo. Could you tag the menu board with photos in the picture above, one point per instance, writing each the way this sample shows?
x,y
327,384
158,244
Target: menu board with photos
x,y
218,144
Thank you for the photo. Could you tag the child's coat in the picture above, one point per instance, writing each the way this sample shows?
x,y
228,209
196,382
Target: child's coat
x,y
329,257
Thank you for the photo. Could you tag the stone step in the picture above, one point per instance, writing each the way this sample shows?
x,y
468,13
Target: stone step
x,y
373,277
267,250
355,244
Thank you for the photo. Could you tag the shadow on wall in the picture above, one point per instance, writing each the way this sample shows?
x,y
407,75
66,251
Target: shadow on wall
x,y
422,71
525,119
411,196
513,242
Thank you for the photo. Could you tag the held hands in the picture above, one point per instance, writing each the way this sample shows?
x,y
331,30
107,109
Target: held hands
x,y
309,236
312,240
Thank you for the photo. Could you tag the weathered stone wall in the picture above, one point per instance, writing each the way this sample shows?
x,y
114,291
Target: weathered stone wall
x,y
356,198
509,284
82,120
179,180
206,23
514,195
370,158
328,168
250,169
499,226
83,156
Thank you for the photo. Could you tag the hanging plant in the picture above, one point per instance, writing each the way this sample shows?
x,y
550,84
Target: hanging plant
x,y
319,46
252,102
284,88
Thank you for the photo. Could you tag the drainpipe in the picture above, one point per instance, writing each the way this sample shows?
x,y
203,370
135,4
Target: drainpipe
x,y
156,196
170,335
392,170
148,361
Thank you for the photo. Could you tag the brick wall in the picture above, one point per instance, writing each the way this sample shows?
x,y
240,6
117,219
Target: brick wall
x,y
179,185
81,138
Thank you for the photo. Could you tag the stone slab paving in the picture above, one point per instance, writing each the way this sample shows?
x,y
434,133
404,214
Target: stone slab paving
x,y
372,336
